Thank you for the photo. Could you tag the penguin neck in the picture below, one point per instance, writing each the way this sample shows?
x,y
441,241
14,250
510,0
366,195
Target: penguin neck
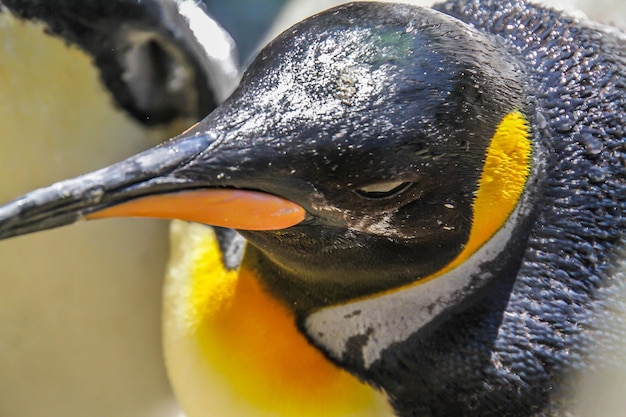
x,y
305,288
358,333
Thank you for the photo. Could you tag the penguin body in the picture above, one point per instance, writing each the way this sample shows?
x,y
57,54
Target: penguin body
x,y
558,307
440,196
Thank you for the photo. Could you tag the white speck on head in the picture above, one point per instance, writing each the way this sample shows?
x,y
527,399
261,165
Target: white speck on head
x,y
381,225
319,82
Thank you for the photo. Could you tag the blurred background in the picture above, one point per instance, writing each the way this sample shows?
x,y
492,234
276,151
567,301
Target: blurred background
x,y
80,318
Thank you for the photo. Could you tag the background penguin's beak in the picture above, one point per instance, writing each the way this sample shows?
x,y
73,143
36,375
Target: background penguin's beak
x,y
150,184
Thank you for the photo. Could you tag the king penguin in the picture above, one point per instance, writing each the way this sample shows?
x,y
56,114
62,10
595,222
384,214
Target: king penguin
x,y
82,85
428,201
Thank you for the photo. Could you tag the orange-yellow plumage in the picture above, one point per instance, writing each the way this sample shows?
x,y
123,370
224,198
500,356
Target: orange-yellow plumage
x,y
232,349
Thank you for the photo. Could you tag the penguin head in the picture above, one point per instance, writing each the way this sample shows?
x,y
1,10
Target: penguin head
x,y
366,148
377,121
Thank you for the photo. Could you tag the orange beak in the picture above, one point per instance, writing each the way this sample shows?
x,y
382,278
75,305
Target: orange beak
x,y
236,209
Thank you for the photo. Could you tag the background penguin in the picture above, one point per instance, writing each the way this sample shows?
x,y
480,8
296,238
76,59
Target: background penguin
x,y
84,84
377,190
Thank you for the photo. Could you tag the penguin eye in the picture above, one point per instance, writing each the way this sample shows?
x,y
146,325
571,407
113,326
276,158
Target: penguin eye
x,y
382,190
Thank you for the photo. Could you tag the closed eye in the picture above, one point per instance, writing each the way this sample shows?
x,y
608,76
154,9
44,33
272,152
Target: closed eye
x,y
383,190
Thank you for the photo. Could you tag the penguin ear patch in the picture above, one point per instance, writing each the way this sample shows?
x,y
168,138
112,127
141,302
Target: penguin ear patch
x,y
382,190
504,176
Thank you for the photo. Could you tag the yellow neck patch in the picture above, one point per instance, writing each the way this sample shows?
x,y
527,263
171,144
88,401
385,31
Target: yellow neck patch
x,y
506,169
232,349
504,176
